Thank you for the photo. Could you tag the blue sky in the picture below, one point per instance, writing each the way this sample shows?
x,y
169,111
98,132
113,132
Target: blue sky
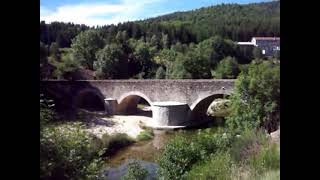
x,y
102,12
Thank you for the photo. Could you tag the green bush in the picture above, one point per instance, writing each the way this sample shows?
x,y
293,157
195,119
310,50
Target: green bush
x,y
177,158
135,172
181,153
47,113
218,166
228,68
248,144
161,73
114,142
67,153
145,135
267,159
66,66
256,99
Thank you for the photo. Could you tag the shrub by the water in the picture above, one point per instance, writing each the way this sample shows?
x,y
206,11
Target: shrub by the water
x,y
67,153
181,153
114,142
47,113
267,159
177,158
145,135
248,144
218,166
135,172
256,99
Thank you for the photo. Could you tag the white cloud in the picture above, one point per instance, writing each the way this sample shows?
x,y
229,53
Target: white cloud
x,y
97,13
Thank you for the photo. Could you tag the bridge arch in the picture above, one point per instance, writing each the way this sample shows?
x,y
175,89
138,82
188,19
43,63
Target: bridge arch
x,y
89,99
134,93
128,102
200,106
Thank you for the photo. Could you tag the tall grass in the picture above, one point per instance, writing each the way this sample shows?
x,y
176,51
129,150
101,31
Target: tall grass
x,y
249,143
270,175
267,159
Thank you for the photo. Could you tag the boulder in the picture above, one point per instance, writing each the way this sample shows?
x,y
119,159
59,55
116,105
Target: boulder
x,y
275,136
219,108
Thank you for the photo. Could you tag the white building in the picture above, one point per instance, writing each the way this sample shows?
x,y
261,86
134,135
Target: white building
x,y
268,45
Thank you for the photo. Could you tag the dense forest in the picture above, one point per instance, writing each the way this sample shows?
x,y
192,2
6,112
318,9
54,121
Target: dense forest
x,y
192,44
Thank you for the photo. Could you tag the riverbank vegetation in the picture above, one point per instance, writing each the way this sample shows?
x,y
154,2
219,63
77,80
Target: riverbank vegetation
x,y
242,149
147,134
66,152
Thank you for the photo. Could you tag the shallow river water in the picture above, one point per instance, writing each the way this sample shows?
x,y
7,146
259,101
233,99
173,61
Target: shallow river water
x,y
146,152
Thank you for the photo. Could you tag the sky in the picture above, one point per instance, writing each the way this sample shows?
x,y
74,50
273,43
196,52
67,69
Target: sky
x,y
104,12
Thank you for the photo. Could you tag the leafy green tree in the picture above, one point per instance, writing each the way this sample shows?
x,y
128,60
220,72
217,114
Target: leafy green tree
x,y
68,153
54,50
165,41
66,67
43,53
256,100
85,46
178,70
183,152
143,56
161,73
227,68
257,53
111,62
122,37
155,41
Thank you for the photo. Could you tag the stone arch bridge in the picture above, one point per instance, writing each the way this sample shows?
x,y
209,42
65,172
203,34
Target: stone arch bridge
x,y
173,102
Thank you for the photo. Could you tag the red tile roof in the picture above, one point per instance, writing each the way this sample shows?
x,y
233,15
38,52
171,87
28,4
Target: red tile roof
x,y
267,38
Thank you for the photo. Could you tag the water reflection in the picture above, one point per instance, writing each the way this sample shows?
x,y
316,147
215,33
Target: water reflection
x,y
143,150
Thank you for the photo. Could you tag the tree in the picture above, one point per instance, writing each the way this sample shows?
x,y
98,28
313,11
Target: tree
x,y
257,53
54,50
66,67
143,56
165,41
122,37
85,46
43,53
161,73
155,41
68,153
256,100
111,62
178,70
228,68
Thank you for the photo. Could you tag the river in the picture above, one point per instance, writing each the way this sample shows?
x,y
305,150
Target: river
x,y
146,152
